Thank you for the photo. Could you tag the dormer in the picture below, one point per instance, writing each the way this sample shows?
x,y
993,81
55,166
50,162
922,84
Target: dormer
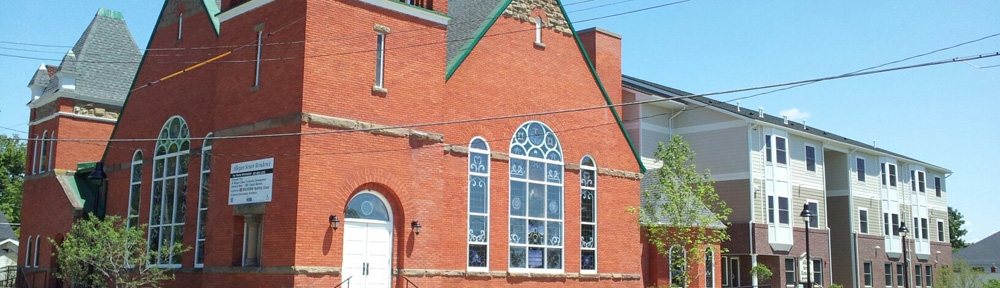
x,y
67,72
39,81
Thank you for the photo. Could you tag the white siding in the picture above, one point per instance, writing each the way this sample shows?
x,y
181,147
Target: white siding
x,y
721,151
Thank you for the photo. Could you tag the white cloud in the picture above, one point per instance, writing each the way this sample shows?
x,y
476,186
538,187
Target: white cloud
x,y
795,114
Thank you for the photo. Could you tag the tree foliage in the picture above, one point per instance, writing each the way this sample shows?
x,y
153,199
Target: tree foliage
x,y
959,275
955,230
682,208
12,157
106,253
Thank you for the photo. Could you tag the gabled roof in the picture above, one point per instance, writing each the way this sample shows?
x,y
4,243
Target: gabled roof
x,y
469,22
103,61
6,232
749,114
986,251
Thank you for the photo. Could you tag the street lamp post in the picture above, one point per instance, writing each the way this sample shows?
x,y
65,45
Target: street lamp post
x,y
806,214
906,261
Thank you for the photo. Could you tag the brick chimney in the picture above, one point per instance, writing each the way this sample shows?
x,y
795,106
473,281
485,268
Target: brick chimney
x,y
605,50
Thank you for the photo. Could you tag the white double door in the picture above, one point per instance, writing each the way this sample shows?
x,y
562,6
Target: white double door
x,y
367,253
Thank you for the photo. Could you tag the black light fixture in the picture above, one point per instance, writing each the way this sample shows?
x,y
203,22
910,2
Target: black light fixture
x,y
99,175
416,227
334,222
806,214
906,261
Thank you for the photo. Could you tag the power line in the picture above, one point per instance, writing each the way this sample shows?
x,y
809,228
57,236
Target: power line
x,y
570,110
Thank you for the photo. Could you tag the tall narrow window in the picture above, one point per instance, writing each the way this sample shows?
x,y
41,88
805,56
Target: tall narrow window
x,y
928,274
767,147
810,158
892,174
783,216
899,274
790,279
203,196
895,224
918,276
538,30
921,184
770,209
135,190
885,223
913,180
38,243
814,219
861,169
780,150
882,169
479,204
536,203
817,267
260,46
52,141
169,194
863,220
588,215
380,60
709,268
678,266
937,186
27,253
725,271
940,230
180,25
34,160
923,228
45,153
868,274
888,274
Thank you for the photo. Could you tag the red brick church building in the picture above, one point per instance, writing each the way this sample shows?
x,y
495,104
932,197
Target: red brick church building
x,y
372,142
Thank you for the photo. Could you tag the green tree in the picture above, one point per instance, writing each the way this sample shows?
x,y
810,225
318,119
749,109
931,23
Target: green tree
x,y
959,275
106,253
955,230
682,209
12,157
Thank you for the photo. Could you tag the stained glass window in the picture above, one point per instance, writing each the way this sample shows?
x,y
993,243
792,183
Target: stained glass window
x,y
536,203
169,194
588,215
205,180
479,204
367,206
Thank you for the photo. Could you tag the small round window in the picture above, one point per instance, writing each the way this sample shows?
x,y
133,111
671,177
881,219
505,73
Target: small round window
x,y
367,206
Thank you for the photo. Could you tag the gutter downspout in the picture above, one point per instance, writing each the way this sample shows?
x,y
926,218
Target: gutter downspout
x,y
753,194
671,120
854,234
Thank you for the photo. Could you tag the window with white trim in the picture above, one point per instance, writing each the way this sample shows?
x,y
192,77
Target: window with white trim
x,y
34,160
783,211
817,267
709,268
767,148
678,266
937,186
868,273
180,25
479,205
940,230
588,215
169,193
885,223
260,47
770,209
921,182
863,220
895,224
928,274
38,244
135,190
861,169
814,209
27,253
536,203
42,167
52,141
888,274
205,181
780,150
790,272
380,60
918,276
899,274
891,174
913,180
538,30
725,271
811,158
924,228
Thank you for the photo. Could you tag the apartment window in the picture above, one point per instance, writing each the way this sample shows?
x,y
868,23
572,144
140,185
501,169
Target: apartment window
x,y
916,228
868,274
863,218
27,253
725,271
167,205
882,172
861,169
895,224
885,223
928,272
479,204
924,228
206,176
783,213
709,268
888,274
817,267
918,275
770,209
921,184
253,234
767,146
536,190
899,274
380,60
814,209
588,215
810,158
790,279
892,174
780,150
940,230
135,190
937,186
913,180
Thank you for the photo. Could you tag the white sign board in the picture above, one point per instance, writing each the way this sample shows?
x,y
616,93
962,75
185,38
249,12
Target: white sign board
x,y
250,182
803,269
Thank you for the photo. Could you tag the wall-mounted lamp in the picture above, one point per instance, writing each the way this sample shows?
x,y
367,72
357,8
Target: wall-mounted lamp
x,y
416,227
334,222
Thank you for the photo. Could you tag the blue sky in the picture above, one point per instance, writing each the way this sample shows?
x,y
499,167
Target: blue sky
x,y
944,115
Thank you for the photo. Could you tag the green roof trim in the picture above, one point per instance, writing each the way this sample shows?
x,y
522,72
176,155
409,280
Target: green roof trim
x,y
85,165
452,65
600,84
211,9
134,80
110,14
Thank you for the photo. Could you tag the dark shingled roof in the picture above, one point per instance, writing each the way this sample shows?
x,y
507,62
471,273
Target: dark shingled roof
x,y
668,92
104,59
6,232
984,252
468,18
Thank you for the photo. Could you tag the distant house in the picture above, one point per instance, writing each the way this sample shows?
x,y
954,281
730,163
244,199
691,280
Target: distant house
x,y
8,243
983,255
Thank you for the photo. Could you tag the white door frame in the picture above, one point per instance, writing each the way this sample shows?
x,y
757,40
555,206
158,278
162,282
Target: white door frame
x,y
388,224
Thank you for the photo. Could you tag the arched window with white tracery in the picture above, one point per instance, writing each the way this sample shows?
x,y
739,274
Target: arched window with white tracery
x,y
479,204
588,215
42,163
135,192
536,200
167,209
206,171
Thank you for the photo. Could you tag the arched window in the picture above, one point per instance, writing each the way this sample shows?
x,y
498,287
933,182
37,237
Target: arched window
x,y
479,204
678,266
368,206
52,141
536,199
44,154
588,215
709,268
206,169
134,193
27,253
38,242
166,209
34,160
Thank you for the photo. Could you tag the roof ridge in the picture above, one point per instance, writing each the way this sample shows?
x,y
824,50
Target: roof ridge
x,y
110,14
